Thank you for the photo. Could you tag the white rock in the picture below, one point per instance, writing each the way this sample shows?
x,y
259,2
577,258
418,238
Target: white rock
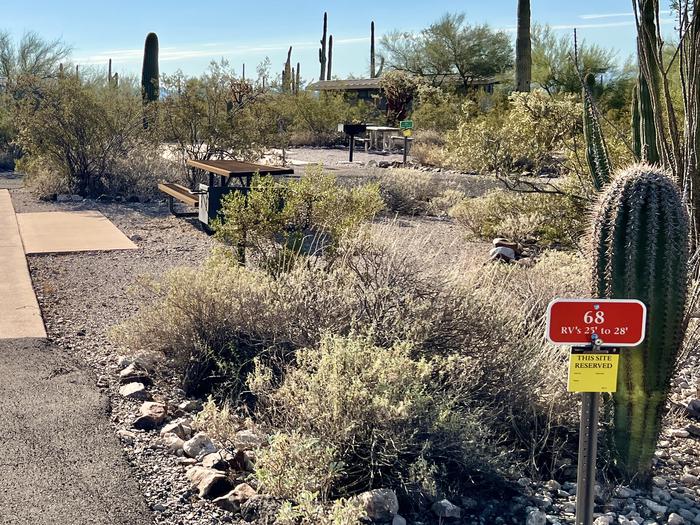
x,y
248,440
675,519
173,442
603,520
134,391
178,428
379,504
502,254
655,507
536,517
123,361
199,446
446,509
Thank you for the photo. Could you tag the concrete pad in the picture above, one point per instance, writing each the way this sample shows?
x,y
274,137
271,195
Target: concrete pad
x,y
64,232
20,316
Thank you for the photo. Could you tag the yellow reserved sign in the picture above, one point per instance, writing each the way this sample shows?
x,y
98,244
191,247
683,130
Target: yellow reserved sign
x,y
407,132
590,372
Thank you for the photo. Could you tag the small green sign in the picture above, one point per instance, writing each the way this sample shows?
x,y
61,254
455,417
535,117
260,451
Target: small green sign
x,y
406,124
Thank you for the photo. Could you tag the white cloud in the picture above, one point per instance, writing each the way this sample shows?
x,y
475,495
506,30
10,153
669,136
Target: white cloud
x,y
208,50
614,15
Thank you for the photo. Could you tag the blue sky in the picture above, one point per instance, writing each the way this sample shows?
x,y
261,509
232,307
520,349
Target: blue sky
x,y
192,33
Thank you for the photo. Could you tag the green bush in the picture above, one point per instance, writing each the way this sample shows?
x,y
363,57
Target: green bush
x,y
294,464
407,192
529,135
307,511
377,409
550,220
78,130
311,215
436,109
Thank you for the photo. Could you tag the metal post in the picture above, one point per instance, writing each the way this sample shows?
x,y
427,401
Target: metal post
x,y
587,452
352,146
405,148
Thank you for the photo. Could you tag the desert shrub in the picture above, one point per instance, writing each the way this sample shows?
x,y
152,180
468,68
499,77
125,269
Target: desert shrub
x,y
522,378
308,119
294,464
436,109
399,89
141,169
208,323
406,191
217,420
309,215
7,133
545,218
443,203
307,511
375,407
41,179
528,135
77,130
428,148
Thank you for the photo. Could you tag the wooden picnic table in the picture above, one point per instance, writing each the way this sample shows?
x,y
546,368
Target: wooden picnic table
x,y
229,169
380,131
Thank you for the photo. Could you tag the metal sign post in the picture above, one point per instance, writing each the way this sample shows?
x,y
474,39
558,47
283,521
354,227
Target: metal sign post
x,y
589,325
587,455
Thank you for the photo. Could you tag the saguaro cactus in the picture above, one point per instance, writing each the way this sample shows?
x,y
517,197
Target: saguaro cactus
x,y
635,123
640,250
596,151
523,48
330,58
322,50
150,73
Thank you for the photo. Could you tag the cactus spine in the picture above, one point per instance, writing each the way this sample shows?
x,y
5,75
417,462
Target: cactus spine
x,y
150,73
330,57
641,245
596,152
322,50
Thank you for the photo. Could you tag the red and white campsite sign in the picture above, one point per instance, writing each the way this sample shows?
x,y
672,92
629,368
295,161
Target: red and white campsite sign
x,y
615,322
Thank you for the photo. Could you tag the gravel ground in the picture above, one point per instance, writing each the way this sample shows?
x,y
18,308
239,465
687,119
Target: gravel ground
x,y
83,295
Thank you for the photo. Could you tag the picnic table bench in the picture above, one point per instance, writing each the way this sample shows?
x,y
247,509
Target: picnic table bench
x,y
208,197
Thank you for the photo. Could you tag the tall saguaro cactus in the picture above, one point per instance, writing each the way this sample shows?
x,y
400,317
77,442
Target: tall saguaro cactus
x,y
640,250
635,123
523,48
596,151
150,72
322,50
330,58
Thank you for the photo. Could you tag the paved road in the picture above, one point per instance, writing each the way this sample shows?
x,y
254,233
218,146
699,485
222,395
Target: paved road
x,y
60,461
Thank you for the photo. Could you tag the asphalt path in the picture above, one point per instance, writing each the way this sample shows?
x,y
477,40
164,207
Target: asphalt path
x,y
60,461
